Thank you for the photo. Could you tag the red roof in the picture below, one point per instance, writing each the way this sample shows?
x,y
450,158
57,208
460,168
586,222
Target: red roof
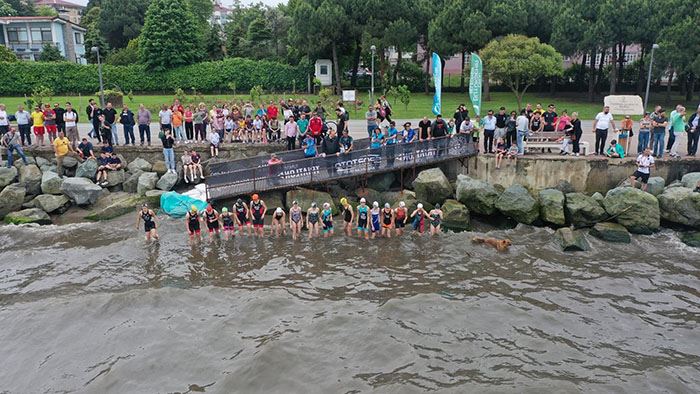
x,y
62,3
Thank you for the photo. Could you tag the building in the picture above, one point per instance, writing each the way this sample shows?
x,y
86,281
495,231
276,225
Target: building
x,y
221,13
66,9
26,35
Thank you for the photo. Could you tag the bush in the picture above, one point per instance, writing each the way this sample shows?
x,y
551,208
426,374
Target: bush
x,y
7,55
411,75
18,78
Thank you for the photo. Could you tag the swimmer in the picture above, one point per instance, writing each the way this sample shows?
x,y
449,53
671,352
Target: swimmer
x,y
400,217
211,216
327,220
149,222
295,222
228,221
278,222
387,220
312,217
363,219
257,211
435,220
348,216
500,244
242,217
374,212
419,216
192,223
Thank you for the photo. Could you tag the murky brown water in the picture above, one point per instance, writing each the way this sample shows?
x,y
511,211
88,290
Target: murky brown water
x,y
89,308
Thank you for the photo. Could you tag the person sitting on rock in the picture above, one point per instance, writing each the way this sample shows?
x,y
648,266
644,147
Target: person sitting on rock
x,y
102,168
196,165
115,163
187,173
615,150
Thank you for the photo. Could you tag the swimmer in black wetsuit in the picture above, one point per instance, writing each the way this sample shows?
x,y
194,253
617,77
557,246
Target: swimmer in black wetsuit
x,y
312,219
241,216
192,223
435,220
149,222
387,218
257,211
278,222
211,217
348,216
228,221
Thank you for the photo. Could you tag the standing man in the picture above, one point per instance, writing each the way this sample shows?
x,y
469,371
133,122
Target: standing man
x,y
371,117
644,164
424,126
522,125
671,134
60,123
693,132
10,140
62,148
658,124
4,121
165,117
50,122
439,130
70,123
111,119
38,124
602,123
501,119
144,120
677,128
127,120
25,129
550,119
93,114
489,131
291,129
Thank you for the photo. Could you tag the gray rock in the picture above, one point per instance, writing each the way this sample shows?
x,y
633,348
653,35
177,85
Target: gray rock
x,y
30,178
477,195
7,175
517,203
69,162
572,240
39,161
81,190
131,183
153,198
655,186
691,179
50,203
306,196
87,169
147,181
272,200
118,206
139,164
432,186
611,232
675,184
11,198
370,195
552,206
680,205
167,181
598,197
381,182
407,196
564,187
691,239
638,211
51,183
582,210
159,167
455,215
31,215
115,178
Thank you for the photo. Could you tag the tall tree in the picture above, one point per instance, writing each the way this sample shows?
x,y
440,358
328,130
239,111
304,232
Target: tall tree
x,y
93,35
401,35
6,9
44,10
236,28
214,42
165,44
22,7
202,9
121,20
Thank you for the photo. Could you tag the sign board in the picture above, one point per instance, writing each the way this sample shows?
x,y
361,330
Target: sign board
x,y
349,95
625,105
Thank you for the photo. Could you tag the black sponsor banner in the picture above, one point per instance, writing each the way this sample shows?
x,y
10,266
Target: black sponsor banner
x,y
323,168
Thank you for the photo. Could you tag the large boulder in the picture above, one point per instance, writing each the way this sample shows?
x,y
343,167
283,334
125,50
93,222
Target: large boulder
x,y
407,196
11,198
691,239
167,181
70,162
7,176
517,203
691,179
638,211
477,195
582,210
30,215
564,187
51,183
147,181
599,198
432,186
115,178
680,205
159,167
153,198
611,232
272,200
552,206
571,240
655,185
381,182
81,190
139,164
455,215
119,205
87,169
131,183
370,195
306,196
30,178
50,203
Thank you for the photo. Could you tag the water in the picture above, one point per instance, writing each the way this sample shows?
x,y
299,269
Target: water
x,y
89,308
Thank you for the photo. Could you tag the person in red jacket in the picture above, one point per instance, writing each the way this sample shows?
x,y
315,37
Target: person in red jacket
x,y
316,128
272,111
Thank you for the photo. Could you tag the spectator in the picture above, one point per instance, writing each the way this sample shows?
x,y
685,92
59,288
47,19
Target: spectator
x,y
489,131
501,152
523,126
85,150
127,120
274,132
501,119
102,168
309,146
393,134
4,120
38,124
476,131
291,130
314,127
320,111
602,123
466,126
343,117
693,132
371,117
165,118
563,121
228,128
62,148
678,128
384,103
11,141
93,114
671,134
214,143
305,109
550,119
528,111
272,111
377,139
199,120
439,127
50,122
105,130
625,132
187,170
538,109
60,123
511,130
331,143
189,126
577,133
23,118
346,143
179,129
644,164
219,125
177,106
70,124
111,119
168,153
615,150
409,135
196,165
644,133
460,115
658,123
424,126
144,120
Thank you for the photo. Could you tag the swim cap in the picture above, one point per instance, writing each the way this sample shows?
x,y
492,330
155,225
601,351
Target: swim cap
x,y
375,204
420,206
437,206
326,205
193,208
295,203
278,210
144,205
239,201
224,209
362,200
402,204
313,205
386,205
343,200
255,197
209,207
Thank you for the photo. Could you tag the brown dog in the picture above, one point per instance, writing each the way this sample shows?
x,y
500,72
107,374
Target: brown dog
x,y
500,244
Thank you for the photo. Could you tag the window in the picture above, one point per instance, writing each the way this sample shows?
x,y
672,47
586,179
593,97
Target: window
x,y
41,34
323,69
16,35
78,38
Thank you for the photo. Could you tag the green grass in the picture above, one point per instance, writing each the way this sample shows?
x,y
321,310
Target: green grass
x,y
419,106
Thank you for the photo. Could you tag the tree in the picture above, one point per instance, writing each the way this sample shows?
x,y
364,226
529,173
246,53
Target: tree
x,y
214,42
518,61
49,53
6,9
257,39
121,20
93,36
165,44
202,9
236,28
125,56
401,35
44,10
7,55
22,7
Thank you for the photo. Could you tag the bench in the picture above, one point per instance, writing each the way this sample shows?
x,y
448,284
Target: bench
x,y
549,140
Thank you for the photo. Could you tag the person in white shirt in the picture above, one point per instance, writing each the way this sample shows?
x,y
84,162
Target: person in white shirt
x,y
645,162
166,118
603,121
489,131
4,121
522,125
70,117
25,128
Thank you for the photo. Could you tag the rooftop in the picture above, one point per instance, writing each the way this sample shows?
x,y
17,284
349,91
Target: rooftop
x,y
62,3
8,19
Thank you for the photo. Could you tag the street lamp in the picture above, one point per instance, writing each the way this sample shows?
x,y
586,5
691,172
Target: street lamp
x,y
96,50
372,49
651,62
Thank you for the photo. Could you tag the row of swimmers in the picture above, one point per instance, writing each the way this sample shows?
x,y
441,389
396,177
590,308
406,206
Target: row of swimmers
x,y
365,221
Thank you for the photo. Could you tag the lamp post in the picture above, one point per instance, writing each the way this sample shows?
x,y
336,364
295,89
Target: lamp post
x,y
96,50
372,49
651,63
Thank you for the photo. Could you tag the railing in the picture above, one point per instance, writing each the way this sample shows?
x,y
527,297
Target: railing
x,y
324,168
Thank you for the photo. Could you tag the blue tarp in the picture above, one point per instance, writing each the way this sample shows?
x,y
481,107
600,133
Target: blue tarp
x,y
177,205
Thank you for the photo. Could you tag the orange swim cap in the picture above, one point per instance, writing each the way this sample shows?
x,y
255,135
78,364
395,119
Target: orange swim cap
x,y
255,197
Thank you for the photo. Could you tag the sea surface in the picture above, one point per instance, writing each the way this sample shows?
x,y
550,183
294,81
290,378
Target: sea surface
x,y
93,308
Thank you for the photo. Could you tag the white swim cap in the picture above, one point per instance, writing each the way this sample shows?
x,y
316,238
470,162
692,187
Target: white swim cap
x,y
362,200
420,206
375,204
326,205
386,205
278,210
402,204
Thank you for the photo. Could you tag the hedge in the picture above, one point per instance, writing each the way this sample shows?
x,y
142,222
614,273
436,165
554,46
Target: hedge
x,y
22,77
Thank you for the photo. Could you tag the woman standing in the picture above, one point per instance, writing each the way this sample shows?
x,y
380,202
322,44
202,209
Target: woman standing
x,y
435,220
189,126
295,222
644,133
312,218
149,222
375,220
400,216
363,219
228,222
327,220
199,121
576,133
278,222
387,220
419,215
348,216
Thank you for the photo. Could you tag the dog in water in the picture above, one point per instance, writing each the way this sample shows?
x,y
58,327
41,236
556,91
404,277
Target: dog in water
x,y
500,244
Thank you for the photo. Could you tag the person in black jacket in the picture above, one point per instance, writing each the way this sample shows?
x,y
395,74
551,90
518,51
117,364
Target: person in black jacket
x,y
60,123
93,113
693,132
577,132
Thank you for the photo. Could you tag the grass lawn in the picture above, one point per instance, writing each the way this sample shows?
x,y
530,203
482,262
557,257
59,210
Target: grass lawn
x,y
419,106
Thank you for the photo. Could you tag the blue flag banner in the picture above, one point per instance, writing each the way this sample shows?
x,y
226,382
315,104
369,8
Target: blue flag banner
x,y
437,80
